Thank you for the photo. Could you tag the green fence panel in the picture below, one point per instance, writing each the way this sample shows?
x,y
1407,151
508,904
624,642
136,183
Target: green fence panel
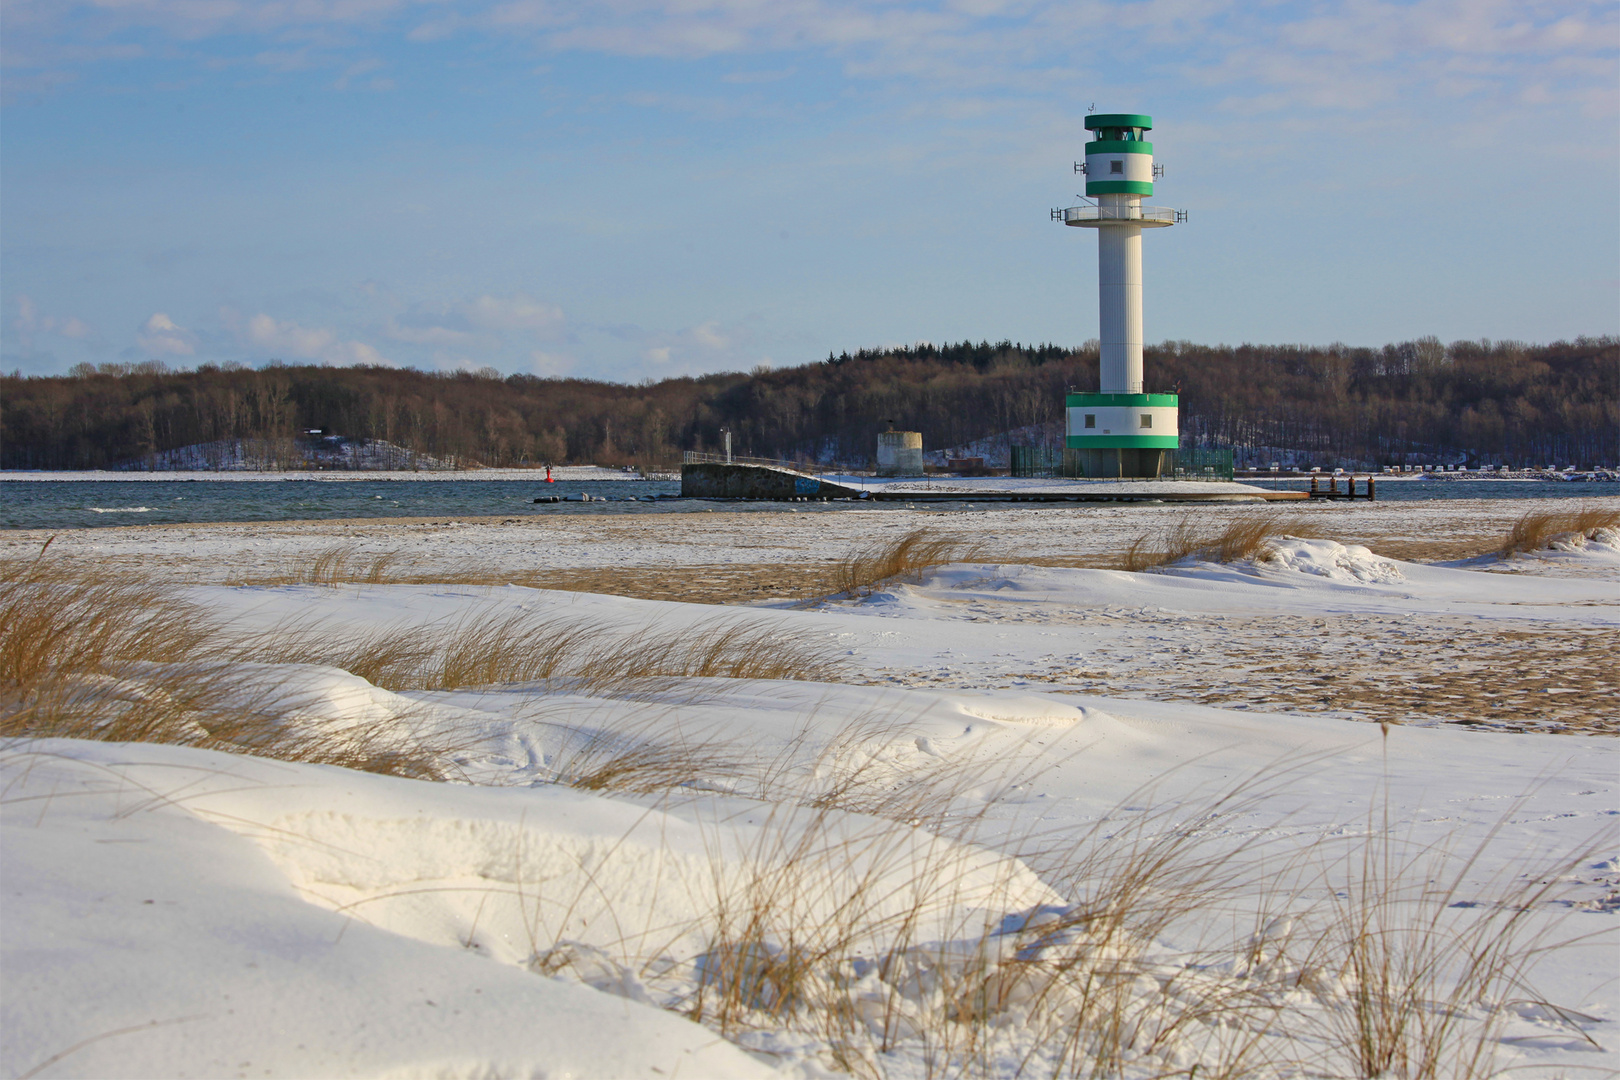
x,y
1205,463
1035,461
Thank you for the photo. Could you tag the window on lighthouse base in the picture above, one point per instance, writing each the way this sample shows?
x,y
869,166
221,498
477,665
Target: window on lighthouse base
x,y
1116,167
1147,421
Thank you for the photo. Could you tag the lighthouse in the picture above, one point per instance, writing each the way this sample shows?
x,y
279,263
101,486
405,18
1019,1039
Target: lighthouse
x,y
1122,430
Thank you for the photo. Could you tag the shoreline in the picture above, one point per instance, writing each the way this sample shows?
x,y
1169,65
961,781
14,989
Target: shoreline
x,y
582,473
717,533
572,473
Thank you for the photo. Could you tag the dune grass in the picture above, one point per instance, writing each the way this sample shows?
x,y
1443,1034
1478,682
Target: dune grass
x,y
1382,961
867,568
346,564
91,656
338,564
1248,535
1540,529
485,648
1423,969
95,656
1381,964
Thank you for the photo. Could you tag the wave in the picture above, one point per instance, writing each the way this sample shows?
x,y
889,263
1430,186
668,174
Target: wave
x,y
119,509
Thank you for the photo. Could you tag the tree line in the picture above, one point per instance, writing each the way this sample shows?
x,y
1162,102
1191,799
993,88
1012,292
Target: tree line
x,y
1418,401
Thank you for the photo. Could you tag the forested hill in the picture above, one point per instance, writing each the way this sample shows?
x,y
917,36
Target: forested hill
x,y
1501,402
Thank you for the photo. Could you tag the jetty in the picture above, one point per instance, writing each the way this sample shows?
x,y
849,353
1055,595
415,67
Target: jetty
x,y
783,481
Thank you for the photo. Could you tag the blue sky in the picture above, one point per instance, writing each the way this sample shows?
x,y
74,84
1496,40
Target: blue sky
x,y
641,188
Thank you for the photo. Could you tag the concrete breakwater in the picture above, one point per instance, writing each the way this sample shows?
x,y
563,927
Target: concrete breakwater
x,y
715,480
719,481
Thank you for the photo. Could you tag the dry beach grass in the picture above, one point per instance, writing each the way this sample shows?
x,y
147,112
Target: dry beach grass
x,y
1354,963
91,657
1244,536
346,564
84,655
1538,530
904,558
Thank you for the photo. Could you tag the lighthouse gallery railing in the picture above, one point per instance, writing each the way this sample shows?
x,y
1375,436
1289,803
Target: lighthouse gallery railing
x,y
1161,214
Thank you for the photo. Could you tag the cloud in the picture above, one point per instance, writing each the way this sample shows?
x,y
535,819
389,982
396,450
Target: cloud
x,y
1353,55
544,363
746,77
709,336
515,312
1329,52
363,67
159,336
483,323
708,346
434,29
193,20
287,340
285,60
30,323
430,334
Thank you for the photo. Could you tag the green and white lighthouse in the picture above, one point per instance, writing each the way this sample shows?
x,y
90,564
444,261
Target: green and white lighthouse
x,y
1121,430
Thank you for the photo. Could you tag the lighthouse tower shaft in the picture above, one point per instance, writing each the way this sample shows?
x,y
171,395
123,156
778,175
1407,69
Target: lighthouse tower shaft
x,y
1121,430
1119,300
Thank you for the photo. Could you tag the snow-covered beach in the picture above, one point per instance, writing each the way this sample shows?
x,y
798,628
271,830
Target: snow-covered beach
x,y
1022,813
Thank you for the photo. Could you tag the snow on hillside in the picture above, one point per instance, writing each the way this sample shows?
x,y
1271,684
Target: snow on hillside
x,y
868,875
274,455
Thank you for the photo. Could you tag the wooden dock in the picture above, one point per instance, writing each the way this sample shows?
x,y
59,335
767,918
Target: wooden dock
x,y
1332,490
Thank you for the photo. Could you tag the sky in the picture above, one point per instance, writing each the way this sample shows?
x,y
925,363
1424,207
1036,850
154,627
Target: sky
x,y
637,189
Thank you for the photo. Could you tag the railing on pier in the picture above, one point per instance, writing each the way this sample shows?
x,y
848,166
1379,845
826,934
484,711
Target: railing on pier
x,y
700,457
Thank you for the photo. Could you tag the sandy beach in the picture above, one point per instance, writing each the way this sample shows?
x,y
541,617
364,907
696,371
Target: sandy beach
x,y
788,543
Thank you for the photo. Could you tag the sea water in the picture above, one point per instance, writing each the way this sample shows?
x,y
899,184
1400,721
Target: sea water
x,y
62,502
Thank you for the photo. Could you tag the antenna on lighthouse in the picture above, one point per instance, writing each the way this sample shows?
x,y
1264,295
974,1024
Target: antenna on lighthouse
x,y
1121,430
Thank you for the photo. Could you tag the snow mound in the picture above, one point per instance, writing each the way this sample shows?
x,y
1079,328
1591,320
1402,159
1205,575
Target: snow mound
x,y
314,693
1035,710
1333,560
573,867
147,921
1606,541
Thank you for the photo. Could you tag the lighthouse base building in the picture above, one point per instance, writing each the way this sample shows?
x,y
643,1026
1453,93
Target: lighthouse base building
x,y
1120,431
1121,435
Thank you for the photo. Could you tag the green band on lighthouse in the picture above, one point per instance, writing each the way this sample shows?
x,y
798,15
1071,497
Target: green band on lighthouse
x,y
1118,187
1158,401
1120,119
1121,442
